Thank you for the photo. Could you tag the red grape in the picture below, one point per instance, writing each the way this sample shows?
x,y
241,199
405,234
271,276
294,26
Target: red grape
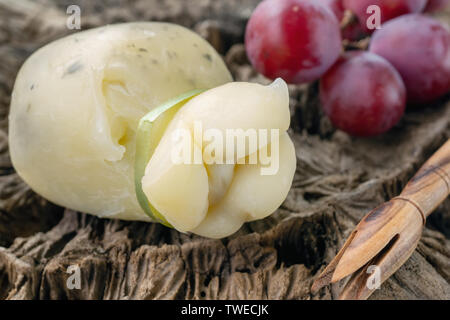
x,y
419,48
435,5
296,40
336,6
389,8
363,94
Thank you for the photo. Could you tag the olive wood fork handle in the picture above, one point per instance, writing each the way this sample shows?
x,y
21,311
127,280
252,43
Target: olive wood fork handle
x,y
431,184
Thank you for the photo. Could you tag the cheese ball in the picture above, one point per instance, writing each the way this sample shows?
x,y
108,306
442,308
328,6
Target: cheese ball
x,y
77,109
77,101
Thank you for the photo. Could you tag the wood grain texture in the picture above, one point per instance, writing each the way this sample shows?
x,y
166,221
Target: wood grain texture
x,y
338,180
388,235
430,186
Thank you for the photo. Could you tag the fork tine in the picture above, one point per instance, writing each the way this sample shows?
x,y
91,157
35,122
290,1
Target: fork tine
x,y
325,277
390,258
373,234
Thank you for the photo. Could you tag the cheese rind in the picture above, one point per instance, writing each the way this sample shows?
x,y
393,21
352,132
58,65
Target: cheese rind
x,y
77,102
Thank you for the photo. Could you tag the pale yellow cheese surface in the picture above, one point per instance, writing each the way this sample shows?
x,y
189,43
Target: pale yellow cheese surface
x,y
75,110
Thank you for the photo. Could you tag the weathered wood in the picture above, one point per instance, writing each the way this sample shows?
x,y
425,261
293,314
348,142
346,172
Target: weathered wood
x,y
338,180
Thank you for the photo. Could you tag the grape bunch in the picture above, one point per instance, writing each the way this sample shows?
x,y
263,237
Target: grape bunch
x,y
363,92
